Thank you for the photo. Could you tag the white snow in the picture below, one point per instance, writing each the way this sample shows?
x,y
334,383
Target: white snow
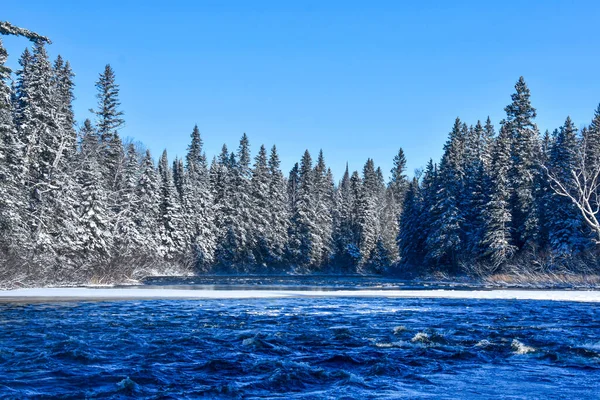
x,y
158,293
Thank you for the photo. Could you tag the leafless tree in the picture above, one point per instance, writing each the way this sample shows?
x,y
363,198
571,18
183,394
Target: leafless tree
x,y
582,187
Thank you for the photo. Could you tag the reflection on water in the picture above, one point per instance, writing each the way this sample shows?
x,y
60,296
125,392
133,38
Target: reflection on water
x,y
293,282
300,348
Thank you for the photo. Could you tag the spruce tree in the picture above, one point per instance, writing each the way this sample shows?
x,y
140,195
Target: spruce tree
x,y
260,208
199,206
525,154
235,251
93,225
109,119
13,231
172,239
344,220
322,199
367,213
278,218
302,250
127,236
446,241
410,239
398,180
497,242
565,223
148,218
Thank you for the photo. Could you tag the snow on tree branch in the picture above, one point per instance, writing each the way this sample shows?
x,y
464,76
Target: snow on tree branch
x,y
6,28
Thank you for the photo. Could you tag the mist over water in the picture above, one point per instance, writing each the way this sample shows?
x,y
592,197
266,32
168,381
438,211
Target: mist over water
x,y
300,348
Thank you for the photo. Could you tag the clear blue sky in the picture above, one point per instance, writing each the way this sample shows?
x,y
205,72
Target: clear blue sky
x,y
357,79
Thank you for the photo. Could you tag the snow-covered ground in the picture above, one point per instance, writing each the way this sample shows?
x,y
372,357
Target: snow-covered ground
x,y
157,293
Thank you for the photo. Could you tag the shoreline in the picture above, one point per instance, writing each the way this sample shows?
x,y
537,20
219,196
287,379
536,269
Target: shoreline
x,y
119,294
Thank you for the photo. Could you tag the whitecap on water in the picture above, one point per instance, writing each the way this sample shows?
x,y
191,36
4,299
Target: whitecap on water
x,y
386,345
520,348
398,329
127,384
421,337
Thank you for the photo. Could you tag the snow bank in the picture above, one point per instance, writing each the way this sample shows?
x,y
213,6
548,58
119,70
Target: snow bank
x,y
54,294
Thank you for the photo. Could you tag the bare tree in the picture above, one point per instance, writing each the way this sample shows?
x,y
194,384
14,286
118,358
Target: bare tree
x,y
582,188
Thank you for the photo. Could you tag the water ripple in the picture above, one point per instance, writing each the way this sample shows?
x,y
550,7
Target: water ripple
x,y
300,348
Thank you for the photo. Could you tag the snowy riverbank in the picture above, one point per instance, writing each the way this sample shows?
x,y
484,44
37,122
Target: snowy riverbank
x,y
58,294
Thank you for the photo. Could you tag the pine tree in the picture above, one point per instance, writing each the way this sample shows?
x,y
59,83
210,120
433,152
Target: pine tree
x,y
148,217
497,239
13,231
293,183
59,150
399,181
221,188
45,128
322,200
172,240
278,218
591,142
302,250
124,226
93,224
108,121
445,241
235,251
367,213
198,206
108,116
410,239
344,238
525,153
475,191
565,222
260,208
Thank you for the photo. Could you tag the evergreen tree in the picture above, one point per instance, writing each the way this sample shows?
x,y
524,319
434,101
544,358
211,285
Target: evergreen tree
x,y
172,238
591,141
148,218
497,239
410,238
199,206
235,252
475,191
399,181
322,200
220,182
278,218
125,228
93,227
525,167
445,242
260,208
367,213
565,222
293,183
302,250
109,118
13,231
344,238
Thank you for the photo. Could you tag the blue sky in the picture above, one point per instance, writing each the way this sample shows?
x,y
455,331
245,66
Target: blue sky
x,y
357,79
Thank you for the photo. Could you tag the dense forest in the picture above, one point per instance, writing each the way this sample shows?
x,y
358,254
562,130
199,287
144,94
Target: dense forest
x,y
79,205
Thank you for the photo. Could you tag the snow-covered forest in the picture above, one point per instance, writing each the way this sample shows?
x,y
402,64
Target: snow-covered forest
x,y
79,205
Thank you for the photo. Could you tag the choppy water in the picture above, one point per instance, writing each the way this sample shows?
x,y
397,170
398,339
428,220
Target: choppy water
x,y
300,348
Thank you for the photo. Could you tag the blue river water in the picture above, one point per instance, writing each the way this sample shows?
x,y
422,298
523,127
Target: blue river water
x,y
300,348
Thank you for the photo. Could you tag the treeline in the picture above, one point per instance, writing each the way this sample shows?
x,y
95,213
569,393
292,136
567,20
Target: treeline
x,y
76,204
490,205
